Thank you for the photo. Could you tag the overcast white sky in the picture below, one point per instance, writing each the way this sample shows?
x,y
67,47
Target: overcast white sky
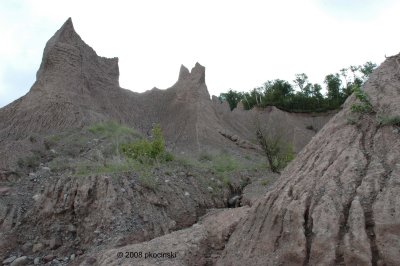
x,y
241,43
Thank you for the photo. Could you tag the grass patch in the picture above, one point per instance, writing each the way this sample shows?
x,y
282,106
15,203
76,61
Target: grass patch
x,y
389,121
112,129
29,162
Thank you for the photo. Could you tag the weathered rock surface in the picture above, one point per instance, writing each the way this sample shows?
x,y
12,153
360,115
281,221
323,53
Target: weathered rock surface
x,y
196,245
72,213
338,202
313,215
75,87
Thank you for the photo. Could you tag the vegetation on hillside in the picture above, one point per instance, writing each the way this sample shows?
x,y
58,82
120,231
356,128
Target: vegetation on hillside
x,y
277,152
146,151
303,96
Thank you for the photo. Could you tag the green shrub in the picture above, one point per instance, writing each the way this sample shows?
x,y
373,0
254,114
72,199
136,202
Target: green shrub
x,y
169,157
277,152
30,162
147,151
364,106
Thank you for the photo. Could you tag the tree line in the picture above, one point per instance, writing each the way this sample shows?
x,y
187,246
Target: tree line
x,y
303,96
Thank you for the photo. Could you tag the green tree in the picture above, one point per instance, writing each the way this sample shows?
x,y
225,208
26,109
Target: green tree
x,y
301,81
333,83
367,70
232,97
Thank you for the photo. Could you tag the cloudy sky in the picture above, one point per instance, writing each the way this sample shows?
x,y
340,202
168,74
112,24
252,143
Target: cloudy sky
x,y
241,43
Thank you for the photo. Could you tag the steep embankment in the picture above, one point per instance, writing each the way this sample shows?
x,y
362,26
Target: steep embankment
x,y
338,202
75,88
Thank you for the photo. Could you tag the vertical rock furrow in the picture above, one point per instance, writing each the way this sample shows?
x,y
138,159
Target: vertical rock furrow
x,y
353,215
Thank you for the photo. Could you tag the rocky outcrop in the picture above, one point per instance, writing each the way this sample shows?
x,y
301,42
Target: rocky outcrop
x,y
77,213
337,202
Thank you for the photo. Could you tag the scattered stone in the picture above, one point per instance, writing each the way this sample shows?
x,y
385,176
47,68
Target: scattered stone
x,y
72,257
181,174
27,247
9,260
45,168
4,190
91,261
36,261
234,201
55,243
37,247
20,261
187,194
48,258
36,197
71,228
210,189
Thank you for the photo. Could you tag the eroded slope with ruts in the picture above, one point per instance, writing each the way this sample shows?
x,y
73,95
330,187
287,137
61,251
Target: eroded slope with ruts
x,y
338,202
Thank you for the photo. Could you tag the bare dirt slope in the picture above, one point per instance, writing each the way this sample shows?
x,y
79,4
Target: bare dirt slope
x,y
337,203
75,87
52,215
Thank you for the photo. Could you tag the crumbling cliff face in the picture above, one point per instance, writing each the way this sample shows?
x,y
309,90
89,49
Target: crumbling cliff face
x,y
75,88
64,213
337,202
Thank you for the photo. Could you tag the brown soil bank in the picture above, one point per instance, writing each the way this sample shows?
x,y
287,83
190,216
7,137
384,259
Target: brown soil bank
x,y
338,202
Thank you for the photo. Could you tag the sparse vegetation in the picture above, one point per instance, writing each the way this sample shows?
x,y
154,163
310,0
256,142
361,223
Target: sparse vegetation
x,y
30,162
204,157
59,164
363,106
278,153
351,121
51,141
389,120
224,165
148,152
